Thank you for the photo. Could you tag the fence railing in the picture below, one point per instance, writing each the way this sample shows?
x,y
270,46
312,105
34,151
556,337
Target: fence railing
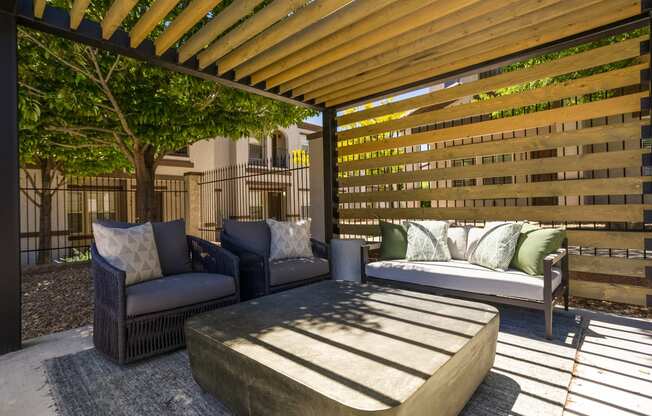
x,y
249,192
74,203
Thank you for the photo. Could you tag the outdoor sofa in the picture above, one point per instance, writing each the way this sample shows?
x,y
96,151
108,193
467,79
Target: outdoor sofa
x,y
259,275
141,320
459,278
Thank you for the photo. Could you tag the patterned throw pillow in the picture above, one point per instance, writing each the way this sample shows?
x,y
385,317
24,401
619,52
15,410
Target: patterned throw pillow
x,y
457,242
289,239
496,247
427,241
132,250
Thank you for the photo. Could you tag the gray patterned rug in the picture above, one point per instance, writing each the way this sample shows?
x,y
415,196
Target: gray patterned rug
x,y
530,377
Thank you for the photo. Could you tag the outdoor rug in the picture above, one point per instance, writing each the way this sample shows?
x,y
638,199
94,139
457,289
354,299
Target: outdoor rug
x,y
530,377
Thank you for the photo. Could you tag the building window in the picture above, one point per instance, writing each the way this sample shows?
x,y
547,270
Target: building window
x,y
279,150
88,205
257,151
183,152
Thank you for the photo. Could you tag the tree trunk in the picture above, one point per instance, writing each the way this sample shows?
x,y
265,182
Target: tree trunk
x,y
45,215
147,206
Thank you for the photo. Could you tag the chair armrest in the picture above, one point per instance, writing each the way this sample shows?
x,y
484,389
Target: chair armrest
x,y
556,257
109,284
320,249
215,259
549,261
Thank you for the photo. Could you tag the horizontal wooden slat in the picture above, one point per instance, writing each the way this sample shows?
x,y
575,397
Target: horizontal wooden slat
x,y
613,106
424,68
39,8
578,87
634,240
628,133
632,213
595,57
115,15
609,265
148,21
572,163
613,292
485,29
193,13
575,187
77,12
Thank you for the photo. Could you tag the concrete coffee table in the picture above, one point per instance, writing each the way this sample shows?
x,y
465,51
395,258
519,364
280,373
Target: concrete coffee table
x,y
340,348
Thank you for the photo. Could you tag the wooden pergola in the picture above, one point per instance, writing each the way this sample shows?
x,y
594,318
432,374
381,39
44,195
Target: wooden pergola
x,y
323,54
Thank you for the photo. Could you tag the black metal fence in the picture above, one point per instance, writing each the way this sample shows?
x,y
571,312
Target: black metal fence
x,y
255,191
65,235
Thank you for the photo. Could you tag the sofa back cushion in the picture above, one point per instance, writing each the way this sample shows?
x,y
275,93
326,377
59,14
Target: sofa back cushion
x,y
132,250
289,239
394,241
533,245
457,242
496,246
427,241
171,244
253,236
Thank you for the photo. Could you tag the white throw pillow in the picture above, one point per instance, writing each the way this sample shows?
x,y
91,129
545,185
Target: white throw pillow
x,y
427,241
496,247
472,239
132,250
457,242
289,239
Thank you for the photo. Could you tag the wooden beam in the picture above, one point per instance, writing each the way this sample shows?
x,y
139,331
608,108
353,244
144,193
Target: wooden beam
x,y
148,21
270,14
39,8
77,12
560,27
216,26
599,56
574,163
575,187
353,12
612,106
268,39
628,133
193,13
385,18
115,15
612,292
481,17
631,213
610,265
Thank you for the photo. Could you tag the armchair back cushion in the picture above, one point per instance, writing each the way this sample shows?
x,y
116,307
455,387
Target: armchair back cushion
x,y
132,250
252,236
171,244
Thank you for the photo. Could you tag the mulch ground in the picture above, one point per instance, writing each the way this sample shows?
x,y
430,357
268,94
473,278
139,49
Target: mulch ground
x,y
57,299
61,298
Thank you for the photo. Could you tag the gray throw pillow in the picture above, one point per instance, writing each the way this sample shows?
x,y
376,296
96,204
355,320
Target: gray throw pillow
x,y
496,247
427,241
132,250
289,239
172,246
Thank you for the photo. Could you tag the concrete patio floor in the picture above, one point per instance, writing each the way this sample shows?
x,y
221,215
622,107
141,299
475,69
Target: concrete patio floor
x,y
612,376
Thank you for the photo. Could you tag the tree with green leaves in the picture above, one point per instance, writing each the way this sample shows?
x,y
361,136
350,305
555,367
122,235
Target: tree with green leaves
x,y
131,110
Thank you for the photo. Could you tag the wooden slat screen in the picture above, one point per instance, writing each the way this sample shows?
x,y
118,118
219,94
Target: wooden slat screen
x,y
559,141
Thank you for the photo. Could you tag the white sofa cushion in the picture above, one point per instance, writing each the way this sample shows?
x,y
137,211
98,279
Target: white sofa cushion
x,y
464,276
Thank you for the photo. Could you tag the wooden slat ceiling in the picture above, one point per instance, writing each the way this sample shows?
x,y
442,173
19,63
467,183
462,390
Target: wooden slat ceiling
x,y
330,52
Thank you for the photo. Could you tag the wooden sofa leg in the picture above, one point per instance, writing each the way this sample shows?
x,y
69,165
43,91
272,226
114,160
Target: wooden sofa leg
x,y
548,317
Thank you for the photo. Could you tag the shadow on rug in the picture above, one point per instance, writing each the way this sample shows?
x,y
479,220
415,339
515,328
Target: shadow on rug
x,y
530,377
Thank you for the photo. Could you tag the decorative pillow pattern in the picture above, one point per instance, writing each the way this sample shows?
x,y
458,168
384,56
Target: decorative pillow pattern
x,y
457,237
427,241
132,250
496,247
289,239
394,241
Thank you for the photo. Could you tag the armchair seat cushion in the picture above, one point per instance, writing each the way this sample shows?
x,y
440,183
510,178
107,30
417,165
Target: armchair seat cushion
x,y
177,291
293,270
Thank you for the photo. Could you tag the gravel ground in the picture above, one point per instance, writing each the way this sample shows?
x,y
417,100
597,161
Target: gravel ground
x,y
56,300
62,298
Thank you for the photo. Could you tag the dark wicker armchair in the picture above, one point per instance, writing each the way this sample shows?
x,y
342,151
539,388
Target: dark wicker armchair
x,y
126,338
261,276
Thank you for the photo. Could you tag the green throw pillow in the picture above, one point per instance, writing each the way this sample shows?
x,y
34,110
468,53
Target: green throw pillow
x,y
394,241
534,244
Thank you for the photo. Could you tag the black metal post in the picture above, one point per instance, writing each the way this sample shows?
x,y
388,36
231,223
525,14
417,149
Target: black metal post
x,y
329,150
9,231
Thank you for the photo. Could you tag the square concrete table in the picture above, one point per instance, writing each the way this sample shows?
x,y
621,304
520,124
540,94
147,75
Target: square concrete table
x,y
340,348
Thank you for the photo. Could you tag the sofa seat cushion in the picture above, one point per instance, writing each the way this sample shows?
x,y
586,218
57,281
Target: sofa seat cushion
x,y
176,291
463,276
293,270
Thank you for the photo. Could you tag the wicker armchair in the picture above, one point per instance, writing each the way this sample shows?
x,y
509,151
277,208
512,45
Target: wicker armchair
x,y
126,338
